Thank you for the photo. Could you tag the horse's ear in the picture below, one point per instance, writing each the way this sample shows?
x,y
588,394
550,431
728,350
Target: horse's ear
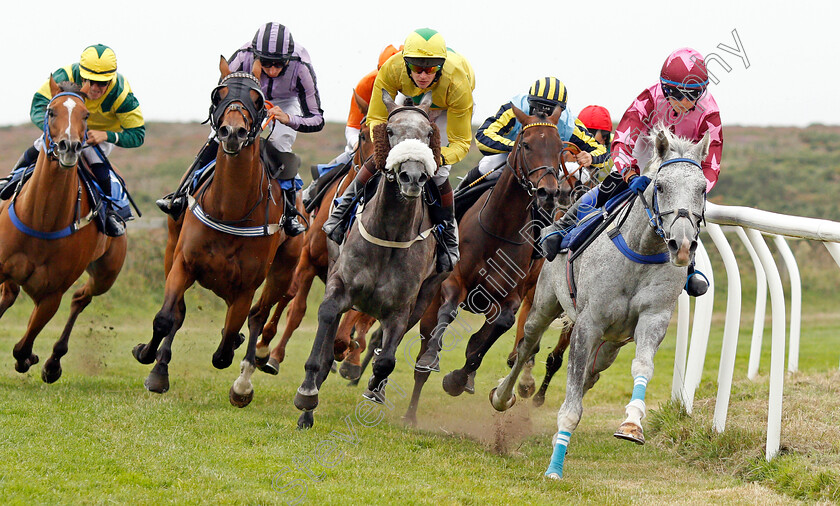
x,y
701,149
224,68
257,69
662,144
54,89
361,103
555,115
426,103
520,115
388,101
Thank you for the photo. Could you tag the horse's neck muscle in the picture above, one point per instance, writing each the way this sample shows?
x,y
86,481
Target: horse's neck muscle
x,y
638,234
48,201
397,217
237,185
508,206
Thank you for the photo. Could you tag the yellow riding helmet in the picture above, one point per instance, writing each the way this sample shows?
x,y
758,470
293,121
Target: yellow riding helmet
x,y
424,43
548,90
98,63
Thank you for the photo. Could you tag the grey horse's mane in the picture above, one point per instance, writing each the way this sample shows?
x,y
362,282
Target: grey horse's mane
x,y
678,147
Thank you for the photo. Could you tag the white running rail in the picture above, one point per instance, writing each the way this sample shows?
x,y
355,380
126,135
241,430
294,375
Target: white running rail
x,y
749,224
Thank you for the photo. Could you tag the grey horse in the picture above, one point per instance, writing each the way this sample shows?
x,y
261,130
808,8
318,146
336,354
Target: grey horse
x,y
619,300
386,268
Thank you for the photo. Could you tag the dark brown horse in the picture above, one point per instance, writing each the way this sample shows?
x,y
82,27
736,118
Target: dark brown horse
x,y
496,248
229,240
47,241
314,261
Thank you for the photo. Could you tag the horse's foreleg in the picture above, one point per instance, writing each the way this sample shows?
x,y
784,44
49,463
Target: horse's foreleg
x,y
238,309
351,368
375,343
294,316
584,342
242,391
178,281
553,361
158,379
520,328
9,291
545,309
393,330
450,296
44,310
650,331
336,302
343,337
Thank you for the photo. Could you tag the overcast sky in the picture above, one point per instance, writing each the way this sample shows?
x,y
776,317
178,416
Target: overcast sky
x,y
605,52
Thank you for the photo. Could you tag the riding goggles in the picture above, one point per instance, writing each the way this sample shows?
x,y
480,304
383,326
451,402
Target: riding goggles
x,y
265,62
544,106
420,69
692,94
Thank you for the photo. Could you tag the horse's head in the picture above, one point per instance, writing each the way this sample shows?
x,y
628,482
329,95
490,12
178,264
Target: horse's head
x,y
409,157
536,156
365,148
238,107
65,123
678,192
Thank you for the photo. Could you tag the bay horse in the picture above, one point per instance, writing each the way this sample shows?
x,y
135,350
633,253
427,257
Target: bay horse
x,y
46,238
314,261
628,282
386,267
496,248
230,240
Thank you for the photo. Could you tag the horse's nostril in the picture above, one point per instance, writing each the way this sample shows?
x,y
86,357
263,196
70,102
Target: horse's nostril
x,y
241,133
672,245
63,146
224,132
403,178
423,179
693,246
77,147
542,193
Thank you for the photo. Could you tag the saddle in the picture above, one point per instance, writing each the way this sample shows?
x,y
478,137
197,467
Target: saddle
x,y
119,201
333,173
590,217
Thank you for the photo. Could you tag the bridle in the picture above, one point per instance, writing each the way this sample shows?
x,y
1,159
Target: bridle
x,y
238,99
50,144
655,215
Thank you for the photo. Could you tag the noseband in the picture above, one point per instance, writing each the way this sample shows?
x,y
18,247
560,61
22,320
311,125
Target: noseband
x,y
238,98
655,216
50,143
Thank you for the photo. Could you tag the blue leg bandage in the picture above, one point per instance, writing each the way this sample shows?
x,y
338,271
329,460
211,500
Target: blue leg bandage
x,y
555,467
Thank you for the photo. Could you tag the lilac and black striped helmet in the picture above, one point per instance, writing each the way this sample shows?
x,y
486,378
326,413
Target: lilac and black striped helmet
x,y
273,41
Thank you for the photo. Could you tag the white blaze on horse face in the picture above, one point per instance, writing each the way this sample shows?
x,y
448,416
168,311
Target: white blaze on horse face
x,y
69,104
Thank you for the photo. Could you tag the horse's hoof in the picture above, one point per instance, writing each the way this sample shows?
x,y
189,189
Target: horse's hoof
x,y
470,386
240,401
539,400
240,339
24,366
354,383
428,363
139,353
261,361
158,379
271,367
410,420
501,406
333,367
369,395
306,402
50,373
306,420
526,390
350,371
455,382
222,362
630,432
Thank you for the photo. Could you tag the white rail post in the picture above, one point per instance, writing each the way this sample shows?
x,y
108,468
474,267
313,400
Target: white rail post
x,y
777,349
700,328
795,302
677,391
731,326
834,249
760,306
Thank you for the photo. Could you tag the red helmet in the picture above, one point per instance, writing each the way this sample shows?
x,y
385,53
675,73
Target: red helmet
x,y
684,74
595,117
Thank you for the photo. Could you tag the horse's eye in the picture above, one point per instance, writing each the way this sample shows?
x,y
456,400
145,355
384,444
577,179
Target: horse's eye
x,y
429,135
389,131
525,145
50,113
362,136
658,187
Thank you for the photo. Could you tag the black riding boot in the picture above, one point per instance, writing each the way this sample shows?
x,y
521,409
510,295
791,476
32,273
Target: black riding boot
x,y
114,226
447,235
291,225
471,177
695,284
175,203
26,159
336,224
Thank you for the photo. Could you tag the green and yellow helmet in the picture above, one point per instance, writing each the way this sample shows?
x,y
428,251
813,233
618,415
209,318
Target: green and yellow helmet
x,y
98,63
424,43
546,94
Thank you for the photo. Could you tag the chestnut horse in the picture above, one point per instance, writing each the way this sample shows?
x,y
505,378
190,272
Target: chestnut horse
x,y
496,253
229,241
47,238
314,261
